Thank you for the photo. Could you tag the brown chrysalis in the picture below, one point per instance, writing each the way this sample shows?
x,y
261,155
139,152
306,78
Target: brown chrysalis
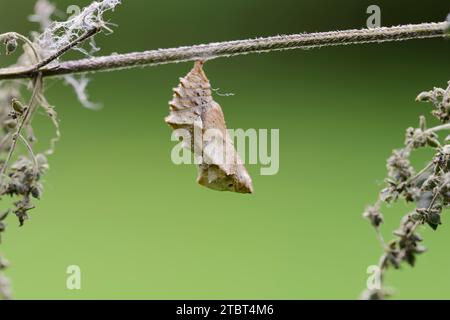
x,y
194,110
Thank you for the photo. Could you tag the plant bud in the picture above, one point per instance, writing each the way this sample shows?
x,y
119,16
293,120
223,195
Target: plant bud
x,y
10,44
17,106
420,249
424,97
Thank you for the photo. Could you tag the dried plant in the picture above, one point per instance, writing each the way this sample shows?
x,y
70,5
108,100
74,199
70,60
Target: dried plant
x,y
5,290
20,174
21,170
428,189
194,112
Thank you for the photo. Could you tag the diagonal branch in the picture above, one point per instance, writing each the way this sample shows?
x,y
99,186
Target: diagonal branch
x,y
234,48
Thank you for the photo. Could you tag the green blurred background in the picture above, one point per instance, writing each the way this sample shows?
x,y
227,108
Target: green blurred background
x,y
141,228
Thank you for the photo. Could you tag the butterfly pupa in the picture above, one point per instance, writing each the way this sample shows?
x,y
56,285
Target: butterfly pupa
x,y
193,109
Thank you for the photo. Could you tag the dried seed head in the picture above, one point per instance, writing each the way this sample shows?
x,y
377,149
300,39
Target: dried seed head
x,y
416,216
36,191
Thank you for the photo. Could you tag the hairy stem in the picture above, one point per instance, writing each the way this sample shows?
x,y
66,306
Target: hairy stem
x,y
234,48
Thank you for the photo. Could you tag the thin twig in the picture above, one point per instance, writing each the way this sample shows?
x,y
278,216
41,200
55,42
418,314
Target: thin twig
x,y
234,48
25,40
30,151
66,48
37,82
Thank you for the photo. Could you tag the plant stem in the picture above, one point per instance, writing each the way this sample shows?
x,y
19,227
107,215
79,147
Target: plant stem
x,y
25,40
417,175
30,151
380,238
234,48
